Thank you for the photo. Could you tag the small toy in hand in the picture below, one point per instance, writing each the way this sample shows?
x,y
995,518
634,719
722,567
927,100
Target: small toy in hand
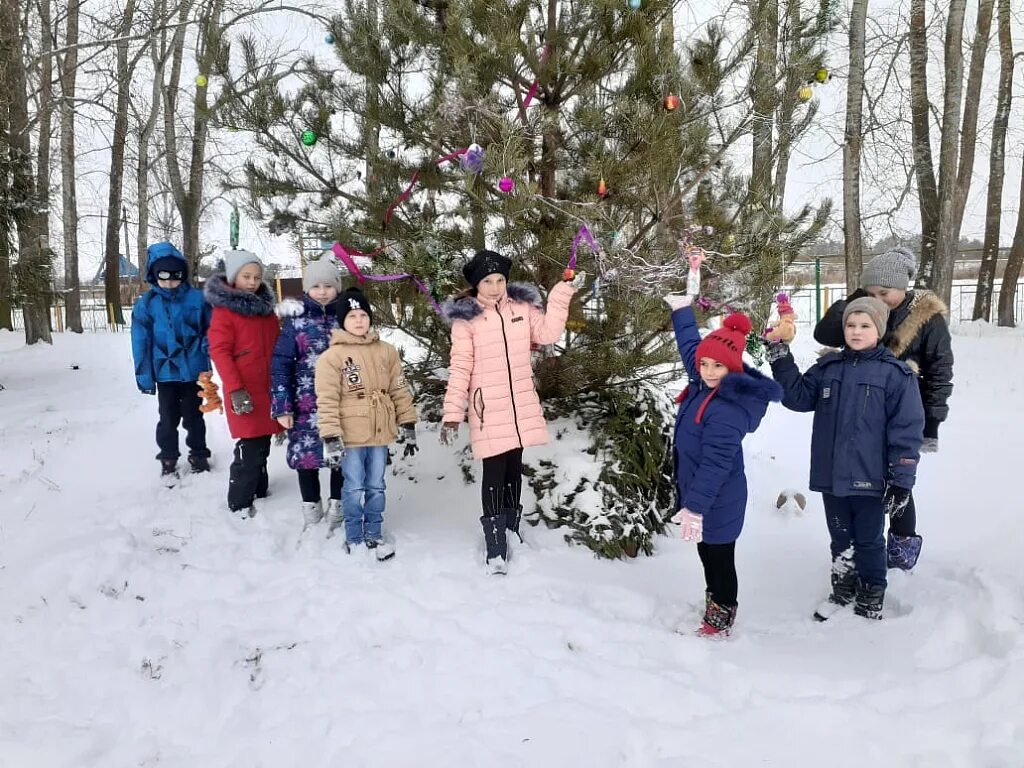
x,y
784,329
208,391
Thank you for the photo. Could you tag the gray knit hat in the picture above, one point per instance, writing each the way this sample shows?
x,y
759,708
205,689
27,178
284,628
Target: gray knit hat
x,y
322,271
235,260
873,308
892,269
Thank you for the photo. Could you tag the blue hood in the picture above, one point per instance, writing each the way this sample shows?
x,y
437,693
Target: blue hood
x,y
159,251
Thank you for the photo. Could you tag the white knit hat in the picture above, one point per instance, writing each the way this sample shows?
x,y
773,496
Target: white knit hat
x,y
235,260
322,271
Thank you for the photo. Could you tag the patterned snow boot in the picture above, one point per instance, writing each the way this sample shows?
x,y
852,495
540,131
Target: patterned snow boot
x,y
869,601
497,543
718,619
312,513
844,587
902,551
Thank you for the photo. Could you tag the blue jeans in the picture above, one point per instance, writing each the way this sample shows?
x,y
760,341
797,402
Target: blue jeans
x,y
362,495
858,521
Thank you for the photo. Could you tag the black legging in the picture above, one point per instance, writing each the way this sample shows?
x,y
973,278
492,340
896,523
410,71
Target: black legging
x,y
905,524
719,561
309,484
502,484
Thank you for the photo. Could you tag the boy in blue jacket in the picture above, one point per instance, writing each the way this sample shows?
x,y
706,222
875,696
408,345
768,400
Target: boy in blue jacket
x,y
724,401
169,324
865,445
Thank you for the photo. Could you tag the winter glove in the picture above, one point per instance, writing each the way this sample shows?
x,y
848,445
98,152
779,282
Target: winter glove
x,y
148,391
678,301
407,435
930,445
775,352
895,501
241,403
449,431
691,525
577,281
334,452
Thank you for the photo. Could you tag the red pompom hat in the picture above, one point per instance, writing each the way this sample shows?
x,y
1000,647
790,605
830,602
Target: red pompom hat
x,y
726,345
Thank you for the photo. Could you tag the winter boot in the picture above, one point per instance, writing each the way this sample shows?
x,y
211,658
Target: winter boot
x,y
844,587
497,543
718,619
199,463
513,535
869,600
262,486
168,467
335,519
382,549
312,513
902,551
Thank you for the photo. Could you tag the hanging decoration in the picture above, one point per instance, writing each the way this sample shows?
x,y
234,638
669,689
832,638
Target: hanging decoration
x,y
308,137
804,93
473,159
233,227
506,184
672,102
478,152
202,81
582,234
635,4
347,257
329,39
602,189
822,75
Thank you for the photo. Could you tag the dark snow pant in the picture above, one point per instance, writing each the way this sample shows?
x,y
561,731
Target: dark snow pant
x,y
502,484
248,473
179,404
905,524
719,561
858,522
309,484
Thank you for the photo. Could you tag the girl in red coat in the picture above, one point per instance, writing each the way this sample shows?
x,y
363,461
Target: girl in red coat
x,y
242,335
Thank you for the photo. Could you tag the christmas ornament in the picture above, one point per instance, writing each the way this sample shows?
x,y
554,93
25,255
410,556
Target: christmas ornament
x,y
308,137
329,39
473,159
634,4
506,184
804,93
695,257
821,75
708,230
729,240
602,188
568,274
672,102
202,81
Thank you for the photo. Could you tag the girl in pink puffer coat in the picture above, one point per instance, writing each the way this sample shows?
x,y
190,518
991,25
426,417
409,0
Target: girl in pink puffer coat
x,y
493,329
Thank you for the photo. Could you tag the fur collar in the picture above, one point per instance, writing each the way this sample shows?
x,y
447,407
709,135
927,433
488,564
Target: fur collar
x,y
924,305
468,307
221,294
751,384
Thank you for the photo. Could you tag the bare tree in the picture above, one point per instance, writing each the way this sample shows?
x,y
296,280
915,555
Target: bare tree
x,y
853,145
920,125
1011,274
996,170
68,68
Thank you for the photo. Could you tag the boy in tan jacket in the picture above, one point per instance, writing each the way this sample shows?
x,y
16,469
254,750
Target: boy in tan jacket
x,y
363,399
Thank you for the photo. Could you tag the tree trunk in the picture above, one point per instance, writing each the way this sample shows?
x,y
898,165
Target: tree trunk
x,y
157,57
112,249
852,146
1008,288
921,142
766,21
69,182
6,288
787,108
44,119
996,170
6,315
32,271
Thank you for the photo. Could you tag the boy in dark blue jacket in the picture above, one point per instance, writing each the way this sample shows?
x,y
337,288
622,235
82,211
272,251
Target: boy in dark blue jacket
x,y
169,324
865,445
724,401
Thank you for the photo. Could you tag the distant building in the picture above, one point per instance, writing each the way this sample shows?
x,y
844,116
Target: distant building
x,y
126,268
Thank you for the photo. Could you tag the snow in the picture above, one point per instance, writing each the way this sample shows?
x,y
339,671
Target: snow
x,y
144,626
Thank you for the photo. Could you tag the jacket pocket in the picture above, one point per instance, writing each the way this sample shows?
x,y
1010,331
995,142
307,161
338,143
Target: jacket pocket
x,y
478,404
241,353
355,426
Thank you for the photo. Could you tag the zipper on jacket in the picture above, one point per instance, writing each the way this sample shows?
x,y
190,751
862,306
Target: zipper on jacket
x,y
867,399
511,388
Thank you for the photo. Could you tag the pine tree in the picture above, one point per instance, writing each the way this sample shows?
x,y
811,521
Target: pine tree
x,y
596,116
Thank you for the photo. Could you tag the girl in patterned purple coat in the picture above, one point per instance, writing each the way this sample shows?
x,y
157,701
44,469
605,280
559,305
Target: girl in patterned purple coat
x,y
305,333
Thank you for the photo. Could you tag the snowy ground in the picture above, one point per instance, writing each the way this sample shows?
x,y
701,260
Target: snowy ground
x,y
143,626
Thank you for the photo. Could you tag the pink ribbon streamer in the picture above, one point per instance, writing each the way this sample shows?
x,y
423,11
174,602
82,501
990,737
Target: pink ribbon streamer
x,y
346,258
535,85
407,192
582,234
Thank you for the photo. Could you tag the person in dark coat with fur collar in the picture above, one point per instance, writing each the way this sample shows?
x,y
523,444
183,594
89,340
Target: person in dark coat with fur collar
x,y
724,401
243,332
917,333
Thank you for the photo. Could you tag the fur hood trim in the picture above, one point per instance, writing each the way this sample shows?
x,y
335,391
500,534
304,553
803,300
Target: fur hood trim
x,y
305,306
468,307
219,293
924,305
751,384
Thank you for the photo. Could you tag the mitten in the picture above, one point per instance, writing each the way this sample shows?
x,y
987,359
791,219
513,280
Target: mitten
x,y
148,391
691,525
449,432
930,445
407,435
678,301
895,501
775,352
334,451
241,403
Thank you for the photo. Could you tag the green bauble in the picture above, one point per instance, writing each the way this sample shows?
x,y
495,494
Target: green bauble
x,y
308,137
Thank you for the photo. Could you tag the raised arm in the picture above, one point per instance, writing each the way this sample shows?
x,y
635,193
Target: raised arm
x,y
547,327
801,389
684,323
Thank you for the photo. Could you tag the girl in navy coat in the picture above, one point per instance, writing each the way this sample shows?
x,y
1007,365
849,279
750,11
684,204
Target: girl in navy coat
x,y
724,401
865,444
305,334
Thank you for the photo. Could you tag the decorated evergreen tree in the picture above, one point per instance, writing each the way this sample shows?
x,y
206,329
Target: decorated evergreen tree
x,y
540,128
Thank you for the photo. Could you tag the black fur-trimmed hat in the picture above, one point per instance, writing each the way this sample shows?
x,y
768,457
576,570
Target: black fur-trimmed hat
x,y
486,263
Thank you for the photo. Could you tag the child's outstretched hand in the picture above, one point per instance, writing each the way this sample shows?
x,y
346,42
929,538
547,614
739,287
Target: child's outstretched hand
x,y
449,431
691,525
678,301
